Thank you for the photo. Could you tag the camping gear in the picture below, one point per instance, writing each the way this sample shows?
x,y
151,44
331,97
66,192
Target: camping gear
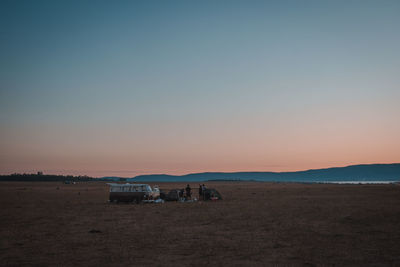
x,y
211,194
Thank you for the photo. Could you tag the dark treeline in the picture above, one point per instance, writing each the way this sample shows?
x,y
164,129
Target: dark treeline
x,y
44,177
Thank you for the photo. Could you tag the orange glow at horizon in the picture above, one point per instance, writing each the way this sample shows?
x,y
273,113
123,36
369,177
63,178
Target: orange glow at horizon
x,y
299,145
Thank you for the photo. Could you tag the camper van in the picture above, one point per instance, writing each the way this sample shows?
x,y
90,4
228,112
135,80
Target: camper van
x,y
133,192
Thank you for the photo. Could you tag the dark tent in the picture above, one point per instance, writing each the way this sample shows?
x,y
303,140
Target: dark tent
x,y
173,195
211,192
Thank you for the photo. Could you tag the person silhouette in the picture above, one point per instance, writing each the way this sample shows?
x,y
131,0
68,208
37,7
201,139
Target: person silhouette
x,y
188,192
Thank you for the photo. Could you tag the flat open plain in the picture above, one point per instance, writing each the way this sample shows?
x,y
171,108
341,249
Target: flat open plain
x,y
257,224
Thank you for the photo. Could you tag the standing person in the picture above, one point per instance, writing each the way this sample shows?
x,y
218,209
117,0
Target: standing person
x,y
203,191
200,191
188,193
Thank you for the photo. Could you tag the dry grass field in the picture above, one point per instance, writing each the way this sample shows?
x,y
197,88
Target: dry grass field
x,y
257,224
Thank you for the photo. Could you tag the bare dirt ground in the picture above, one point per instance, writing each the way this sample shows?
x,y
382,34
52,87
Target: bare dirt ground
x,y
257,224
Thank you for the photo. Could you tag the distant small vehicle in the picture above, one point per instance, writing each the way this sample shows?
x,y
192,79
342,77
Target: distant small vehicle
x,y
136,193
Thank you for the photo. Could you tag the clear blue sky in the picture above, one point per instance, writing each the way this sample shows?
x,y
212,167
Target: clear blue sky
x,y
130,87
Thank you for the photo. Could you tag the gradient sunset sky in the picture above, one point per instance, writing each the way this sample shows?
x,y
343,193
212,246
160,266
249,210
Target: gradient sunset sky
x,y
132,87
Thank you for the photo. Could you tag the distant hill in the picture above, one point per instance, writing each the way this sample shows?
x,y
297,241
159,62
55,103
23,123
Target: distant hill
x,y
40,177
362,173
356,173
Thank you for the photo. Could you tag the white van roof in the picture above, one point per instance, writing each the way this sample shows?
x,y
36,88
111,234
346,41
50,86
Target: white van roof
x,y
127,184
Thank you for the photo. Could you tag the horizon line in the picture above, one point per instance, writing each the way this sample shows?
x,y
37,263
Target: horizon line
x,y
203,172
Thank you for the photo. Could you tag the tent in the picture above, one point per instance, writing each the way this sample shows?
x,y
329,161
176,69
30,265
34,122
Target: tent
x,y
211,192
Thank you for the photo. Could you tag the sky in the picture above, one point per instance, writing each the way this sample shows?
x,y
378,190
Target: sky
x,y
122,88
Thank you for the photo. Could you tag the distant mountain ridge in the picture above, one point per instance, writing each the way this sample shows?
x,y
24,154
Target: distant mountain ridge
x,y
362,172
